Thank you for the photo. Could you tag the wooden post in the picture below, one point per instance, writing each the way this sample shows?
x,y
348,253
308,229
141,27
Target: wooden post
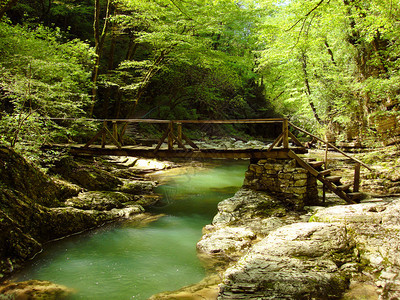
x,y
103,136
356,186
170,136
285,131
326,168
115,129
179,133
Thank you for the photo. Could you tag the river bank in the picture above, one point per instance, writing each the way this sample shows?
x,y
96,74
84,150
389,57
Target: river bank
x,y
256,248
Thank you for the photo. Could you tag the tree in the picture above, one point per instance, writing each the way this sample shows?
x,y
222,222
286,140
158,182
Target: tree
x,y
342,51
40,78
164,36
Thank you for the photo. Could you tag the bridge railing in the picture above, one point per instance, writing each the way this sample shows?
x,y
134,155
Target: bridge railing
x,y
115,130
357,165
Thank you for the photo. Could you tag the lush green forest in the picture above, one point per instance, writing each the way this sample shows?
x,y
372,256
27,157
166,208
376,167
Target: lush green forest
x,y
330,66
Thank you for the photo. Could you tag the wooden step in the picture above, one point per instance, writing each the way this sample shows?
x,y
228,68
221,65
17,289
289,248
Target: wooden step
x,y
316,164
334,179
344,187
325,172
355,195
308,159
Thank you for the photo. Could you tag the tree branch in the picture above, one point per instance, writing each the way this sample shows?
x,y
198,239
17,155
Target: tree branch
x,y
306,15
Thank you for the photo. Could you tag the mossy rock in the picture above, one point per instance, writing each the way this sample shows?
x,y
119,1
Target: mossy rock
x,y
99,200
88,176
18,174
138,187
34,289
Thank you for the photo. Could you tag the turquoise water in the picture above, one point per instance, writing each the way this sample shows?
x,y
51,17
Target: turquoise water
x,y
126,261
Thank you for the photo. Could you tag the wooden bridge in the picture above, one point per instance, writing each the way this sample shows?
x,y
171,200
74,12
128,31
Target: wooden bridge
x,y
174,143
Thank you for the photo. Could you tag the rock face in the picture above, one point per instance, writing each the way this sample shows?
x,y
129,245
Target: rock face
x,y
88,176
34,208
375,230
18,175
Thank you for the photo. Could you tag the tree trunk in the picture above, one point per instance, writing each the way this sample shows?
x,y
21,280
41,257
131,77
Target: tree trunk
x,y
308,89
99,43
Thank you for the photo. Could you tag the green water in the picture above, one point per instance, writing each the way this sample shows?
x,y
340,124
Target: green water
x,y
124,261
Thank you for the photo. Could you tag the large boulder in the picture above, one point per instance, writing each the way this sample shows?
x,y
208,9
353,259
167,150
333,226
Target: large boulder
x,y
298,261
241,221
247,205
230,242
375,229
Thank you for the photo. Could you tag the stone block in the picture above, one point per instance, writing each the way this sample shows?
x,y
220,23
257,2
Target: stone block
x,y
300,176
300,182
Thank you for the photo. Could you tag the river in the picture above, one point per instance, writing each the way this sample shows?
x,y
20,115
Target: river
x,y
131,261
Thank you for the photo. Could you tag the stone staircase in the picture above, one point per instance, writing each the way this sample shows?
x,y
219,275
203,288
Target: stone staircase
x,y
331,182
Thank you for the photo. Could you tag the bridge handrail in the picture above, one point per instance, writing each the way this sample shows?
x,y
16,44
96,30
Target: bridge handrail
x,y
331,145
232,121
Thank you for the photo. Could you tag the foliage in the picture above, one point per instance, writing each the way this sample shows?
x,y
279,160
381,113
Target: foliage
x,y
191,60
40,78
338,56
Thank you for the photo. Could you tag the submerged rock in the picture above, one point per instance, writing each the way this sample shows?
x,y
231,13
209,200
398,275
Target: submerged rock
x,y
34,289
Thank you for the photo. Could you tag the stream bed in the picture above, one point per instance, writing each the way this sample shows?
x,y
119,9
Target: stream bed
x,y
131,261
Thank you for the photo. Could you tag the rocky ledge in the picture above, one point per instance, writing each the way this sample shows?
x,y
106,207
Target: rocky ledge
x,y
264,251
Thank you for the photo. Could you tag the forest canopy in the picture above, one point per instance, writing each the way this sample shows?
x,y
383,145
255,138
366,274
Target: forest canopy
x,y
331,66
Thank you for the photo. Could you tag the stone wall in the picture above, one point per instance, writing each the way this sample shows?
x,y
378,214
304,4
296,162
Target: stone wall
x,y
283,178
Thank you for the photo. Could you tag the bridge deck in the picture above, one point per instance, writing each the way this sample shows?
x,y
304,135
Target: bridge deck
x,y
164,153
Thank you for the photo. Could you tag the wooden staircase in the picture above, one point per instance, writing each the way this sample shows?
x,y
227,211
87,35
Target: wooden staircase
x,y
329,181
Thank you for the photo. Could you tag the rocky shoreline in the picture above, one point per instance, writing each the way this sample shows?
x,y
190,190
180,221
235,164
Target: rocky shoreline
x,y
81,194
337,252
258,247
